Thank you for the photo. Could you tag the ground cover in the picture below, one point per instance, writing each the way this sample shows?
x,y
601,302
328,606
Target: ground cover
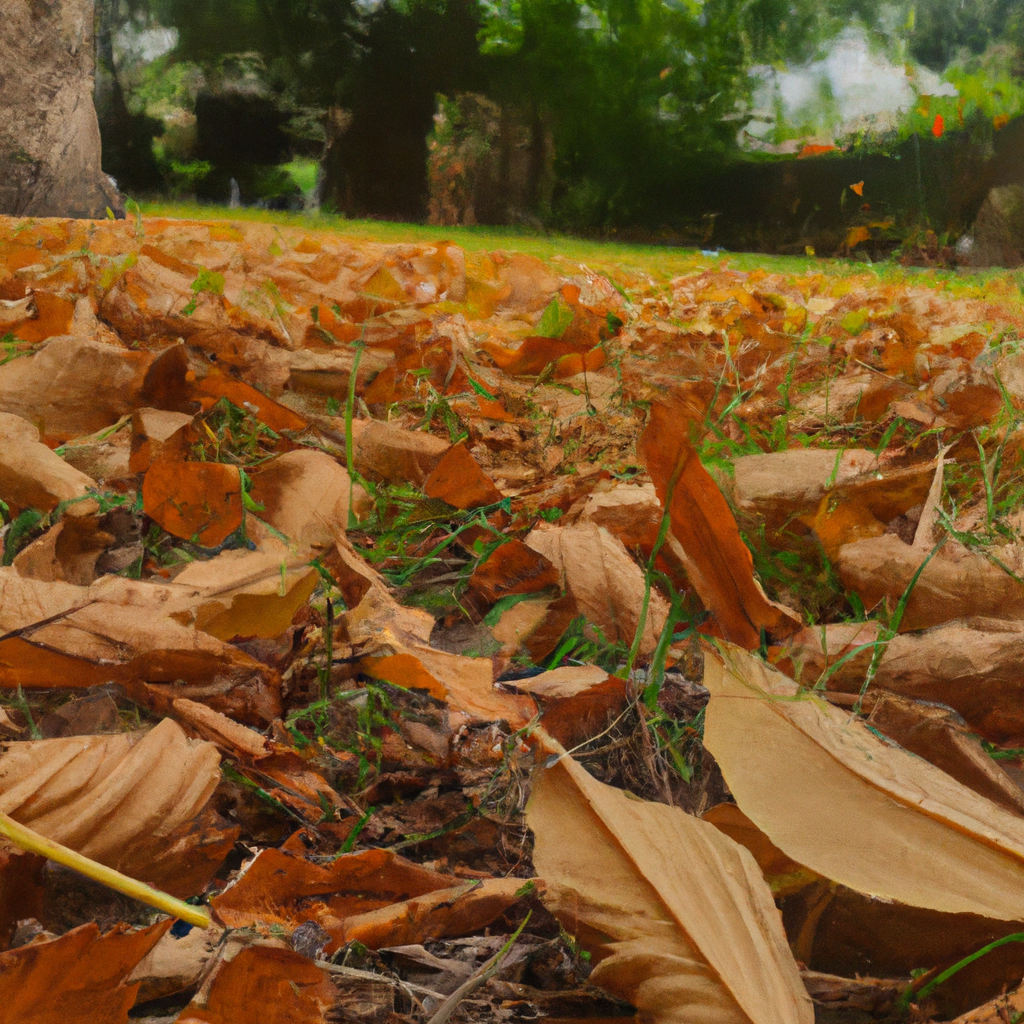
x,y
496,627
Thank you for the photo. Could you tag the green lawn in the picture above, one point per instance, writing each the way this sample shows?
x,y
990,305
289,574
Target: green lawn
x,y
661,261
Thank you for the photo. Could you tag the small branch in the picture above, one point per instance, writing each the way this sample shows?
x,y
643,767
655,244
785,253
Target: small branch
x,y
483,974
27,839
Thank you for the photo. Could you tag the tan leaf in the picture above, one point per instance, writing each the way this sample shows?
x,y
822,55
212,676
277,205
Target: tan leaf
x,y
955,584
31,475
607,584
834,797
133,801
73,386
305,495
676,914
387,453
249,593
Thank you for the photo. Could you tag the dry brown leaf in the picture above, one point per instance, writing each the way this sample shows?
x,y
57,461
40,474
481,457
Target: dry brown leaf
x,y
73,386
718,563
385,453
31,475
175,963
305,495
198,501
248,593
459,480
79,978
607,584
677,916
844,803
136,802
465,684
512,568
463,909
278,769
123,631
956,583
158,434
266,984
778,485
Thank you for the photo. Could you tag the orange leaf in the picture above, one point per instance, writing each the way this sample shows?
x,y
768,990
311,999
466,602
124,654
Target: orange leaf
x,y
857,235
938,126
513,568
194,499
812,150
282,888
79,978
858,188
717,561
273,986
55,316
459,480
999,121
531,358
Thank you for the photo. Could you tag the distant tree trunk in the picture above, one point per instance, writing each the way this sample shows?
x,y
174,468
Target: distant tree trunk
x,y
49,134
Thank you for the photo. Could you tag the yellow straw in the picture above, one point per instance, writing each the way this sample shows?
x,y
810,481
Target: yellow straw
x,y
35,843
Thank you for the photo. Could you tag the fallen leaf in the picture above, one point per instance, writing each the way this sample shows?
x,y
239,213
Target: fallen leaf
x,y
383,452
305,495
200,501
956,583
607,585
718,563
512,568
373,897
273,986
79,978
459,480
73,386
676,915
135,802
248,593
839,800
31,475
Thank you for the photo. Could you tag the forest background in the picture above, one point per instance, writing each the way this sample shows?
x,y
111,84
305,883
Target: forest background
x,y
674,120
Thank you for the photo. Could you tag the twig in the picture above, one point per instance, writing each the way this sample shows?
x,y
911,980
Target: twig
x,y
354,972
484,973
32,841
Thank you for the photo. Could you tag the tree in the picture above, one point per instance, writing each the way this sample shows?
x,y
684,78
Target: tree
x,y
632,89
49,135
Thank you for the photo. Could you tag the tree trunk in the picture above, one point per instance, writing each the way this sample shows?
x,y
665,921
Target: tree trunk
x,y
49,135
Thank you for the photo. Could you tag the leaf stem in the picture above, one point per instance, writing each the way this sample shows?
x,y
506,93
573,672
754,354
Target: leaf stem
x,y
27,839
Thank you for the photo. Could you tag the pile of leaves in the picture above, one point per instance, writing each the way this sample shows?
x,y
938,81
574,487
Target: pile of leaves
x,y
472,636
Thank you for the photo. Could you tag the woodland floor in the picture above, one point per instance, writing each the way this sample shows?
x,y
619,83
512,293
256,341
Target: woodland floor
x,y
495,628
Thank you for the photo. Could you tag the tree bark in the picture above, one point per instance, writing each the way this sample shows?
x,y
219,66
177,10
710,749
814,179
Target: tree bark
x,y
49,134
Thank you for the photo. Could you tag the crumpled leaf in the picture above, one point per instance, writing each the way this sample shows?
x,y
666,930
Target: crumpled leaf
x,y
677,916
131,632
80,977
136,802
373,897
834,797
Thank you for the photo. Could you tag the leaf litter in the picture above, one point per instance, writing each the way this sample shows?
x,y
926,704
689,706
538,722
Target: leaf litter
x,y
473,637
